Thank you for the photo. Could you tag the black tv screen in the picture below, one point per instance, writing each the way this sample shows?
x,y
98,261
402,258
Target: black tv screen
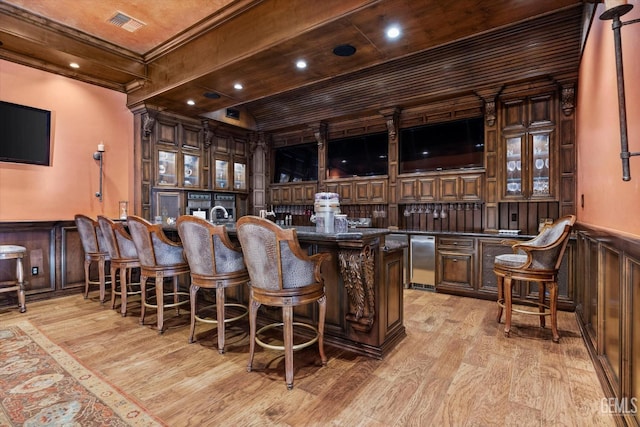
x,y
365,155
296,163
24,134
450,145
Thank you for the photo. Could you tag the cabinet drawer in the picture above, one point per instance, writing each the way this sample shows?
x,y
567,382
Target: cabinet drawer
x,y
456,243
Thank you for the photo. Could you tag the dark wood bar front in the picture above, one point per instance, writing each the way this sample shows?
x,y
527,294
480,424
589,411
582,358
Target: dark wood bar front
x,y
364,289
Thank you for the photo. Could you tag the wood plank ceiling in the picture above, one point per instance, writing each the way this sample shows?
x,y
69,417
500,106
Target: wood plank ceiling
x,y
188,48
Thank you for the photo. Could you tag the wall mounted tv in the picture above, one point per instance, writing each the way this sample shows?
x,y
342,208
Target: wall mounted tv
x,y
365,155
296,163
451,145
24,134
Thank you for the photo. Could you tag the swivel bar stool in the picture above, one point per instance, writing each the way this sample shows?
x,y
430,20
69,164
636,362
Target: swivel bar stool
x,y
95,250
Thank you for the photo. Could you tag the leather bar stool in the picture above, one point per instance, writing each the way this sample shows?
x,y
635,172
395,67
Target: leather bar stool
x,y
537,260
95,250
159,258
124,259
14,252
215,263
282,275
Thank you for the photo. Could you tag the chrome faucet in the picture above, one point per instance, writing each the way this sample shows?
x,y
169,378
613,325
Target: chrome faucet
x,y
215,208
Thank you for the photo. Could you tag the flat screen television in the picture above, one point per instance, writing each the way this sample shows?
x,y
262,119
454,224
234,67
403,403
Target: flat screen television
x,y
296,163
365,155
457,144
24,134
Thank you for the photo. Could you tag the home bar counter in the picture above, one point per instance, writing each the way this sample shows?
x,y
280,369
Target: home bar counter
x,y
363,285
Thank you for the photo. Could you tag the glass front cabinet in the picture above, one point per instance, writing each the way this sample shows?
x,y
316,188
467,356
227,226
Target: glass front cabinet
x,y
178,159
528,159
528,165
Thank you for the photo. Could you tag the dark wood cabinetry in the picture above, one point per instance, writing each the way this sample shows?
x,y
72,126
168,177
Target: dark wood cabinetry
x,y
177,154
54,249
359,191
293,193
455,264
440,187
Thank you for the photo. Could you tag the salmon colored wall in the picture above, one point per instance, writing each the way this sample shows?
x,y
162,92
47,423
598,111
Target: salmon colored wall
x,y
609,202
82,116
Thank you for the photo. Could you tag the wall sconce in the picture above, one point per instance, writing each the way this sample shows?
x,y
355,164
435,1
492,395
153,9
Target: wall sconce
x,y
98,155
614,10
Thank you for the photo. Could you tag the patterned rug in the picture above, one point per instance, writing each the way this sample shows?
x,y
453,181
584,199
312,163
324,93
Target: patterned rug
x,y
43,385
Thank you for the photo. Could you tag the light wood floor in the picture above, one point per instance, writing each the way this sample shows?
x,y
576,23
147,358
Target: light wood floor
x,y
454,368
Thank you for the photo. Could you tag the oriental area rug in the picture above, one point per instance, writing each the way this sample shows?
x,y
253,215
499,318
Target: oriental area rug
x,y
43,385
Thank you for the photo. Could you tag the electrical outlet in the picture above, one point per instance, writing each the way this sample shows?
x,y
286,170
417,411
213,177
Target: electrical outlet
x,y
34,271
514,217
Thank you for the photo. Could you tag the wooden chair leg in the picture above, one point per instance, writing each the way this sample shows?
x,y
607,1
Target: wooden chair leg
x,y
114,286
143,297
160,301
20,278
87,263
541,298
193,299
553,304
322,302
253,311
176,297
287,319
101,278
500,286
507,305
220,317
125,280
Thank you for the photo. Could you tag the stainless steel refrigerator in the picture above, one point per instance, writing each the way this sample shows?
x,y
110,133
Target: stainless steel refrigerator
x,y
423,261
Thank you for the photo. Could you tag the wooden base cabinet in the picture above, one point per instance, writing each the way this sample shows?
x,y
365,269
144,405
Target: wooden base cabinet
x,y
455,265
464,266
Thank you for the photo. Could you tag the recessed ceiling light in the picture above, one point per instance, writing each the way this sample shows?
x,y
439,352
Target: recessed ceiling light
x,y
237,86
393,32
301,64
344,50
191,102
74,65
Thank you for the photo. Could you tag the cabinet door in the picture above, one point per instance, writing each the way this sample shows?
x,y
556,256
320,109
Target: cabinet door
x,y
361,190
345,192
310,191
221,177
426,187
540,164
191,170
514,184
168,206
298,194
167,168
239,176
455,270
408,190
378,191
448,188
470,188
287,195
275,195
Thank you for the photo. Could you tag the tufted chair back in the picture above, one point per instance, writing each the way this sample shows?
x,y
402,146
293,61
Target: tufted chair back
x,y
90,235
544,252
273,256
154,249
207,247
117,240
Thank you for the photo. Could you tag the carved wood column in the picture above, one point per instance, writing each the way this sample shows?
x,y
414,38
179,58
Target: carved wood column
x,y
259,175
357,267
392,118
491,159
320,132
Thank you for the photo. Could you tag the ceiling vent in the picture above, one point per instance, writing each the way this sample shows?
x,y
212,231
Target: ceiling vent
x,y
126,22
